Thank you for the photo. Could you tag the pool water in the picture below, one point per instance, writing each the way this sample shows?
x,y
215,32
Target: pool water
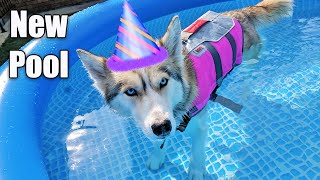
x,y
276,136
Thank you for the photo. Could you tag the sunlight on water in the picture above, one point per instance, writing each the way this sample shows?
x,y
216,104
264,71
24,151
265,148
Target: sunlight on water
x,y
275,136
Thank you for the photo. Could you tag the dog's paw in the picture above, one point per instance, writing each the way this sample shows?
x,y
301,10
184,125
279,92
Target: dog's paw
x,y
156,160
196,172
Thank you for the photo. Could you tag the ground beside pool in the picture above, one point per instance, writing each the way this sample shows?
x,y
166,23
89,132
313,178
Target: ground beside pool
x,y
8,44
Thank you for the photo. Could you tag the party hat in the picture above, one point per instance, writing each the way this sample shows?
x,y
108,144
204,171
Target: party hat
x,y
135,48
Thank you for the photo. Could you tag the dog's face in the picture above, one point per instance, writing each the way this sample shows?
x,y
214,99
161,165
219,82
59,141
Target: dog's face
x,y
148,94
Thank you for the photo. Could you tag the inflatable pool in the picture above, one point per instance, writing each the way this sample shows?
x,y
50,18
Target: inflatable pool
x,y
54,129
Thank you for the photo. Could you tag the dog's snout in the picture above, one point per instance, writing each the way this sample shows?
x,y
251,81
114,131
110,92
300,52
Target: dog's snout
x,y
162,129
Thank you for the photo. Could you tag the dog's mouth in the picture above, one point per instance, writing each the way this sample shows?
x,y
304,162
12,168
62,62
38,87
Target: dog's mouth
x,y
163,136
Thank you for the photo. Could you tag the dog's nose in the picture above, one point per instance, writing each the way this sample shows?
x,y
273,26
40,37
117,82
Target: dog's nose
x,y
162,129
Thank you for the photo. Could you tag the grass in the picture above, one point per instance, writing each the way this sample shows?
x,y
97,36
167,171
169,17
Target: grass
x,y
11,44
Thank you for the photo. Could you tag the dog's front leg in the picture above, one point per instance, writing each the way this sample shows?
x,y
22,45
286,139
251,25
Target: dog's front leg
x,y
198,130
157,157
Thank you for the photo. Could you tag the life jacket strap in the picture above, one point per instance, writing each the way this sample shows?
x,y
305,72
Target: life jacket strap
x,y
184,123
228,103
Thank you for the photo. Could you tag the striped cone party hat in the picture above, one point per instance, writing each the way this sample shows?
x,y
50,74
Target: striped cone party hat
x,y
135,48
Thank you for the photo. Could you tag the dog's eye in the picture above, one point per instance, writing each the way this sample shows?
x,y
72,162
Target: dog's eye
x,y
131,92
163,82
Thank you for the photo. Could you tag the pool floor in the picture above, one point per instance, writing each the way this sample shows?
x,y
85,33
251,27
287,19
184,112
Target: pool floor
x,y
276,135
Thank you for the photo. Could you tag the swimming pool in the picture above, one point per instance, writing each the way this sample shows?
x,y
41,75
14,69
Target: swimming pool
x,y
277,134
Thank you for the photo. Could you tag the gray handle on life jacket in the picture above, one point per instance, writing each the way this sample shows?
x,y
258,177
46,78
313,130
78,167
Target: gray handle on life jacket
x,y
217,27
208,16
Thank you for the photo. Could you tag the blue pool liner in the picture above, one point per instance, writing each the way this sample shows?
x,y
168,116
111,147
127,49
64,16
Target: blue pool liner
x,y
23,101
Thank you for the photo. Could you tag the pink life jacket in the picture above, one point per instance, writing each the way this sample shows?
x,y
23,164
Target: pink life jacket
x,y
214,42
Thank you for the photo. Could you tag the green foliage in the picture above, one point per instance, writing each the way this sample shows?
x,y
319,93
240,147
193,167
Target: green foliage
x,y
9,45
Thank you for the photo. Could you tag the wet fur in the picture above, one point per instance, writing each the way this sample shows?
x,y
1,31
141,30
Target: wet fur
x,y
262,14
181,73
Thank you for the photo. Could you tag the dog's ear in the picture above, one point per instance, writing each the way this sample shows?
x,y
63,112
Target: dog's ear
x,y
95,65
172,38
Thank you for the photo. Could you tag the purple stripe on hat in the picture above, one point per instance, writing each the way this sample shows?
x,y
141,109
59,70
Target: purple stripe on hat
x,y
134,21
126,50
125,6
129,16
125,3
135,48
144,38
122,36
121,55
141,39
133,45
115,57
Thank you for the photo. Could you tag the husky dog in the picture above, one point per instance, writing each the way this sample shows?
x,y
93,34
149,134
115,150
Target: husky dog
x,y
157,96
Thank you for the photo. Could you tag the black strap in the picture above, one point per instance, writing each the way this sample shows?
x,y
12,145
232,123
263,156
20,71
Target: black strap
x,y
228,103
233,46
217,61
214,97
185,121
